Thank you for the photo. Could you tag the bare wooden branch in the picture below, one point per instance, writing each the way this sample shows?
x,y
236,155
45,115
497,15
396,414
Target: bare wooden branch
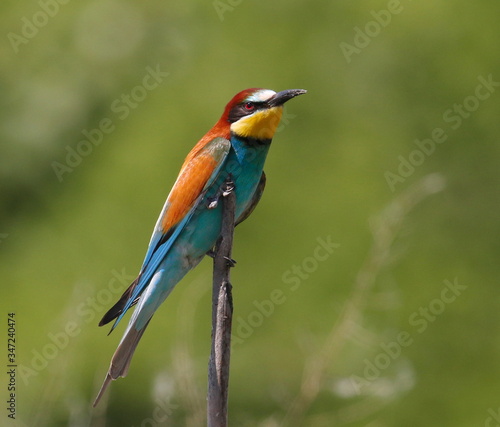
x,y
222,311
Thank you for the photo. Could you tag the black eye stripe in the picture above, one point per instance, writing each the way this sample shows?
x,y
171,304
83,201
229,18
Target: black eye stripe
x,y
241,110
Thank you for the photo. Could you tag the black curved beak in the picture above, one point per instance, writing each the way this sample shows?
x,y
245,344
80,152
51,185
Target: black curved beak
x,y
281,97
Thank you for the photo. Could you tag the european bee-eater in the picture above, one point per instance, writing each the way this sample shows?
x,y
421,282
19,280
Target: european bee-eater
x,y
190,221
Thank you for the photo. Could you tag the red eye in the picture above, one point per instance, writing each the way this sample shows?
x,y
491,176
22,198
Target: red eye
x,y
249,106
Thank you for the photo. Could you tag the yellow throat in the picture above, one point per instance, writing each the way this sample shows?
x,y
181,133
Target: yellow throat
x,y
260,125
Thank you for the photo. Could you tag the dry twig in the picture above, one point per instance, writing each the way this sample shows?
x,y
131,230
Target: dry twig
x,y
222,310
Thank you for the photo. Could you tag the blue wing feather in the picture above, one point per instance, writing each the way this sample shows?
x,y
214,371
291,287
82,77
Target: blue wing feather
x,y
156,250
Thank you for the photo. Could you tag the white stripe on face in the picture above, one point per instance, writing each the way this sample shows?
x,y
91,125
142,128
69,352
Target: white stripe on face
x,y
261,96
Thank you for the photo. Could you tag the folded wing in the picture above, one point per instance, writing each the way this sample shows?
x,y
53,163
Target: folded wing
x,y
199,171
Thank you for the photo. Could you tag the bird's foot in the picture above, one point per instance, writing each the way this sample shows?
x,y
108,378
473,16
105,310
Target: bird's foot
x,y
230,262
211,253
229,189
213,202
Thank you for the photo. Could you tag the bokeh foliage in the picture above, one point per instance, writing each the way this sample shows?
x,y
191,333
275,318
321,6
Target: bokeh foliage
x,y
62,241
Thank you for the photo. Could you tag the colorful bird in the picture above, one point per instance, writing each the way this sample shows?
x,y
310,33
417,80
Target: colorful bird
x,y
190,221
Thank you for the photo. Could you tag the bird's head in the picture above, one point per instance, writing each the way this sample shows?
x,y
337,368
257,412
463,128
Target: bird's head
x,y
256,113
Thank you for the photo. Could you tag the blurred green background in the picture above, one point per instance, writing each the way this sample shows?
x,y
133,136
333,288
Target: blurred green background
x,y
395,323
